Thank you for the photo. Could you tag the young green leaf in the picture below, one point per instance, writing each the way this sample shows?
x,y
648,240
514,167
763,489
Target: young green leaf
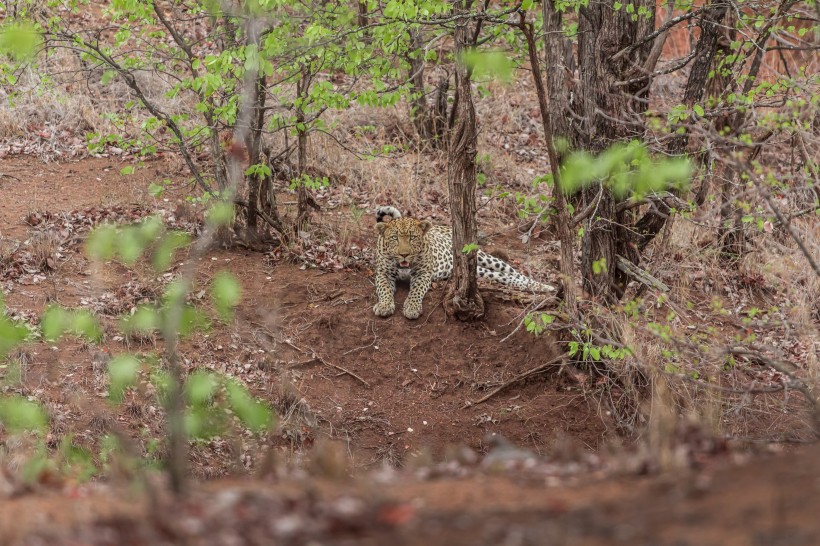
x,y
255,415
18,414
226,293
122,373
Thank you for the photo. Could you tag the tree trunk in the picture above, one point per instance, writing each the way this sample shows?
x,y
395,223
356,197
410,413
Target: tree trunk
x,y
612,113
361,17
430,123
711,30
463,299
254,145
420,111
304,199
562,223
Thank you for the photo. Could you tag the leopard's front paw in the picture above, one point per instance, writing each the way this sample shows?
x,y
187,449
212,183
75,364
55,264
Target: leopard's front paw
x,y
384,309
412,311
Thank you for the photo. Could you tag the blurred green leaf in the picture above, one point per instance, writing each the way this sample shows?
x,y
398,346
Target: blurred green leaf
x,y
11,334
53,323
122,372
200,387
226,293
220,214
255,415
18,414
101,241
167,246
489,64
192,320
145,319
19,40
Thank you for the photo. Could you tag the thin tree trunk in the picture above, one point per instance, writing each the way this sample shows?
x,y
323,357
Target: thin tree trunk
x,y
463,299
420,110
254,145
304,199
731,233
711,30
562,216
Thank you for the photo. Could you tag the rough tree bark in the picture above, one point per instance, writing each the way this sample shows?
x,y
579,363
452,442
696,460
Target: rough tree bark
x,y
254,146
463,299
612,113
430,122
420,110
304,199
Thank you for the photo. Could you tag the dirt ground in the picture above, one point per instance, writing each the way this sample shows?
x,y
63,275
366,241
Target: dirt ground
x,y
387,393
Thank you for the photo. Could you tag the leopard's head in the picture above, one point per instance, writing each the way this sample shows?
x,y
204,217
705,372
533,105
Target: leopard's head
x,y
403,239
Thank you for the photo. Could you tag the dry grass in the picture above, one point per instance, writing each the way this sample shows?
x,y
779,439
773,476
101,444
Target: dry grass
x,y
297,421
43,247
766,300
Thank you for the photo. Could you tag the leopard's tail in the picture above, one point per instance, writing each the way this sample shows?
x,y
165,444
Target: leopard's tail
x,y
385,211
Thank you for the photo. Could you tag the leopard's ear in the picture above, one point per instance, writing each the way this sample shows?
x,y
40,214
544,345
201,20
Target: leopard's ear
x,y
425,226
381,227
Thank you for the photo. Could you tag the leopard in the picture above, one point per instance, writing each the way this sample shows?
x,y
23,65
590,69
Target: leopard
x,y
414,250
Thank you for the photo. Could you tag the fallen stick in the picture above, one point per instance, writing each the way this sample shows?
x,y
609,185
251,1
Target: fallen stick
x,y
537,369
640,275
315,356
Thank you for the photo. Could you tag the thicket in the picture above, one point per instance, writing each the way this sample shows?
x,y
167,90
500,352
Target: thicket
x,y
239,88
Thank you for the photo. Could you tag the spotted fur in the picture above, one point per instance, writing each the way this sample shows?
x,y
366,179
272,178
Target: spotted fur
x,y
416,250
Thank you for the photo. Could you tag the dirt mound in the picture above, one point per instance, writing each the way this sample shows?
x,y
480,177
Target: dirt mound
x,y
411,383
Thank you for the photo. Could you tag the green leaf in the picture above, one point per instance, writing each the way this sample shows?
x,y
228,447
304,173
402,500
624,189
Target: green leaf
x,y
156,190
130,245
226,293
83,323
169,244
19,40
255,415
489,64
200,387
123,371
18,414
220,214
128,169
11,334
192,320
595,353
100,243
57,321
53,323
145,319
547,318
699,110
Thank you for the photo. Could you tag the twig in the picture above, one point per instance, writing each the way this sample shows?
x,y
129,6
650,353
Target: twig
x,y
316,356
375,339
793,383
528,373
787,224
640,275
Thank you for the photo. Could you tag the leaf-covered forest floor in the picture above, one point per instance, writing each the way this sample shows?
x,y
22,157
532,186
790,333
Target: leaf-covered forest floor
x,y
355,395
